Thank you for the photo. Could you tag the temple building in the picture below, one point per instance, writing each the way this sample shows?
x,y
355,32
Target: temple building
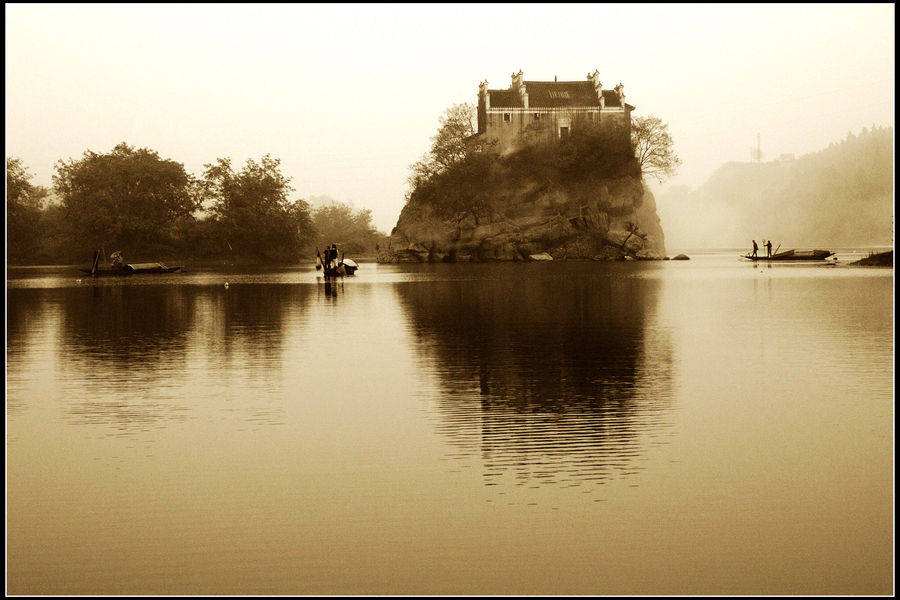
x,y
534,110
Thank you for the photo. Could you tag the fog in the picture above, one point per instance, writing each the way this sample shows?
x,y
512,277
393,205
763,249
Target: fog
x,y
839,196
347,96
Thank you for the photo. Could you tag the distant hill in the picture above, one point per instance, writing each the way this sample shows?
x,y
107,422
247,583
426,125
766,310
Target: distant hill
x,y
839,196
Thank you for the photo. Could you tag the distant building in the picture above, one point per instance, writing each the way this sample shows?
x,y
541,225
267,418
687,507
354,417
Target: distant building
x,y
533,110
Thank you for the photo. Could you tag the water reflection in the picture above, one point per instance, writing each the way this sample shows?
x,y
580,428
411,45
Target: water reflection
x,y
331,286
138,357
551,380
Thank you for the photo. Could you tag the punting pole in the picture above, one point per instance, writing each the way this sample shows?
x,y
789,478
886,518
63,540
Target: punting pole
x,y
94,264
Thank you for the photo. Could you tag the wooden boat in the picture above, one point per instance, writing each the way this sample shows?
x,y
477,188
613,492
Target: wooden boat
x,y
793,255
337,267
132,269
349,265
118,268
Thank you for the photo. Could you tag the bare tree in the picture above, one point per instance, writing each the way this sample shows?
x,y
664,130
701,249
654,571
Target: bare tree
x,y
654,147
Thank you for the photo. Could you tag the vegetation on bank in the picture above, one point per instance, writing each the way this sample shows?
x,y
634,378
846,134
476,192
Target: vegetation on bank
x,y
879,259
463,178
353,229
151,208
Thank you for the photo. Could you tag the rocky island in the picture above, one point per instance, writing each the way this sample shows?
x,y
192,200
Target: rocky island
x,y
554,170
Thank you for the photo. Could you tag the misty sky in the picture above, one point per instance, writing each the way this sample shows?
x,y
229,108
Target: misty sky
x,y
348,96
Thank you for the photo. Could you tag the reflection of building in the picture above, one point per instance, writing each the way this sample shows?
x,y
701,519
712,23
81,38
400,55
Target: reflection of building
x,y
549,108
546,380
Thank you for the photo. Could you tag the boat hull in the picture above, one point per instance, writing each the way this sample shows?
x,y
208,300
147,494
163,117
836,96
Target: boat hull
x,y
792,255
131,270
346,267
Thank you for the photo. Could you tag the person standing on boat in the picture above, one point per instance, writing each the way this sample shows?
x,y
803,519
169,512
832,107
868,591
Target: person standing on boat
x,y
334,255
755,249
768,245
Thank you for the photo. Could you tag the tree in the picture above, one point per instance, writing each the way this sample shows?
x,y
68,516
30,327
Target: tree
x,y
24,204
129,199
451,143
454,141
251,213
654,147
452,177
633,230
338,223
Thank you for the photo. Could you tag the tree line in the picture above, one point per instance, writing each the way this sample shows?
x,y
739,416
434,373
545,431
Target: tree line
x,y
150,208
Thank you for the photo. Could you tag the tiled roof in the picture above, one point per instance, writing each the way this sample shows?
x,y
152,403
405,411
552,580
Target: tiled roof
x,y
505,98
551,94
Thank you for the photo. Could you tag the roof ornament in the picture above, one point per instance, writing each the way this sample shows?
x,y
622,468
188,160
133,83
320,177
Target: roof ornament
x,y
516,80
483,87
620,91
598,85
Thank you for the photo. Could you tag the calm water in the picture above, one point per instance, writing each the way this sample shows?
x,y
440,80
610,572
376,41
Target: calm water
x,y
679,427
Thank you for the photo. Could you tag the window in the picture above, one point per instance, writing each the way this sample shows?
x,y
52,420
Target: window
x,y
507,117
563,131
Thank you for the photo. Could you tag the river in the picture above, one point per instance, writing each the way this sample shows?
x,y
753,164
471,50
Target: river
x,y
698,427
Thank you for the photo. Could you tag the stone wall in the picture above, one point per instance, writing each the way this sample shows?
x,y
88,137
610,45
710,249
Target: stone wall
x,y
536,124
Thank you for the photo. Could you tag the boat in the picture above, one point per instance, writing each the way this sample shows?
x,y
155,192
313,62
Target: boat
x,y
340,268
118,268
793,255
132,269
335,267
349,265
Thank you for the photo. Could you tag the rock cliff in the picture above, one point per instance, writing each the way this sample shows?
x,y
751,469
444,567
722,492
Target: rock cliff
x,y
607,219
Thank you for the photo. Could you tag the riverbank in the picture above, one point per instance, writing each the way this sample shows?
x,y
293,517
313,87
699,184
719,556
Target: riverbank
x,y
880,259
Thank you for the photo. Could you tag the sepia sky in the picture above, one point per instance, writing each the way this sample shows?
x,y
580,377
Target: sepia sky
x,y
347,96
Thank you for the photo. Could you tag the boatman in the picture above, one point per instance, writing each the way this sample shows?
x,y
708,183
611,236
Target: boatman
x,y
116,258
755,249
769,248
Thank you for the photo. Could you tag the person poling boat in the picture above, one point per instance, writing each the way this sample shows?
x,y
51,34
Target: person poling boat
x,y
332,265
792,255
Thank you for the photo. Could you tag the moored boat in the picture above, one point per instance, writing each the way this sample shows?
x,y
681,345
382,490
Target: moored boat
x,y
120,268
132,269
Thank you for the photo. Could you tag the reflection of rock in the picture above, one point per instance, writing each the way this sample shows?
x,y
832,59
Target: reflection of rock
x,y
588,221
543,374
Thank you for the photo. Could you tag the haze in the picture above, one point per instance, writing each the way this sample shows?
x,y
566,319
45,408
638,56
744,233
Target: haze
x,y
347,96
